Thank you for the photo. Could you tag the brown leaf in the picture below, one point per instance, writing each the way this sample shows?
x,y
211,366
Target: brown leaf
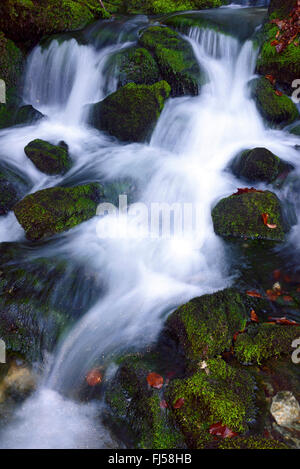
x,y
253,293
155,380
93,377
179,403
218,429
253,316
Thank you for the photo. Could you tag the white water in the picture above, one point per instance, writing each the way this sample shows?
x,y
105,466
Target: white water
x,y
146,278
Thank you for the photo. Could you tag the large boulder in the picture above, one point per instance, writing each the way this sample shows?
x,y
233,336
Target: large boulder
x,y
217,393
241,216
175,59
131,113
277,110
49,159
205,326
259,164
13,186
57,209
137,66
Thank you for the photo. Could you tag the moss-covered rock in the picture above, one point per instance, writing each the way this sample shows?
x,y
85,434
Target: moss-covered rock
x,y
250,442
49,159
11,62
13,186
27,115
175,59
277,110
265,341
57,209
219,393
137,66
131,113
259,164
205,326
136,406
240,216
29,20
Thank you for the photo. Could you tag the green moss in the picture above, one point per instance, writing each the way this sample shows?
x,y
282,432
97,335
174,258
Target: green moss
x,y
58,209
131,113
205,326
175,59
277,110
49,159
220,393
136,407
259,164
137,66
251,442
240,216
265,341
11,62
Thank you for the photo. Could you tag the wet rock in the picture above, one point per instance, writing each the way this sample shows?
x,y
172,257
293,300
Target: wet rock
x,y
49,159
57,209
240,216
225,394
137,406
18,383
296,130
131,113
259,164
13,186
205,326
277,110
175,59
285,409
27,115
137,66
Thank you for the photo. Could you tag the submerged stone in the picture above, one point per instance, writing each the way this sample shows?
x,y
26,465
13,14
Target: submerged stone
x,y
175,59
240,216
131,113
49,159
205,326
259,164
57,209
277,110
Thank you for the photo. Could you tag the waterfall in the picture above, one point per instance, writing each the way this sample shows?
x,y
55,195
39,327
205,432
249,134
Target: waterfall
x,y
146,278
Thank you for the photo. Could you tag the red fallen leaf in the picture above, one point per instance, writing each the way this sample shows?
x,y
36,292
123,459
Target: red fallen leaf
x,y
163,404
155,380
271,79
246,190
253,293
218,429
271,295
179,403
274,43
278,93
254,317
93,377
277,274
284,321
265,217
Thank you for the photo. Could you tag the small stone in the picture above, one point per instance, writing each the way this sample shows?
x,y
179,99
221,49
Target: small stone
x,y
285,408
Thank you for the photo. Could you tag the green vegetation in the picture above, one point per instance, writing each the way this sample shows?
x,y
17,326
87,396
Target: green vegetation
x,y
175,59
220,393
240,216
205,326
259,164
131,113
137,66
251,442
49,159
265,341
57,209
277,110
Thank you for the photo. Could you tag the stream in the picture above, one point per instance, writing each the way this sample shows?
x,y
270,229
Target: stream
x,y
145,277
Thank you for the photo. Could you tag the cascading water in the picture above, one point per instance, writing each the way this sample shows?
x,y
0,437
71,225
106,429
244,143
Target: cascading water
x,y
146,278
